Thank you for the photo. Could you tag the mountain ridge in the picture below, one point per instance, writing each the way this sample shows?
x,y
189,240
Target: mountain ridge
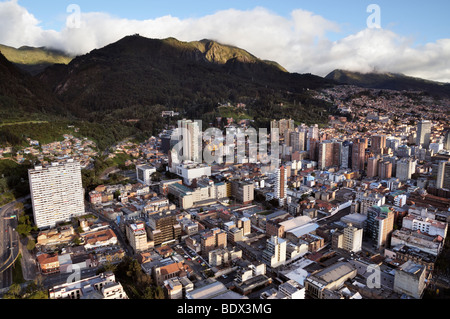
x,y
390,81
168,72
34,60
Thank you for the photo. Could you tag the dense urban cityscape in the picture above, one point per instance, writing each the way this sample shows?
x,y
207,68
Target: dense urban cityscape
x,y
213,158
357,209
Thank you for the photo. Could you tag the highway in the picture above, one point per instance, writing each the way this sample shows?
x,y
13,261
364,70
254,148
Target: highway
x,y
9,243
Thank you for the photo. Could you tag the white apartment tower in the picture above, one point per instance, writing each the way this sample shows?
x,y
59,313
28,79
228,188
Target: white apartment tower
x,y
191,137
57,193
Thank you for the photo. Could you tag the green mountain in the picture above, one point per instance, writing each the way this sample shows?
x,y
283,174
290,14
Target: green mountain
x,y
390,81
23,96
120,91
193,77
34,60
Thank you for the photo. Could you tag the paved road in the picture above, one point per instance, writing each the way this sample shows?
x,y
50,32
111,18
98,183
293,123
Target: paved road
x,y
9,242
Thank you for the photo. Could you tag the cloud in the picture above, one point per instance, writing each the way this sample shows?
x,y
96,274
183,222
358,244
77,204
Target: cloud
x,y
299,42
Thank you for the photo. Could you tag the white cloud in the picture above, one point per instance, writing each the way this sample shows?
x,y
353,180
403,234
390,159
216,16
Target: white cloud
x,y
298,42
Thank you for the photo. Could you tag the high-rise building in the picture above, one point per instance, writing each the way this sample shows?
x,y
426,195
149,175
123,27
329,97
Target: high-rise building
x,y
358,154
385,169
285,127
378,144
346,154
281,185
191,137
313,149
443,175
297,141
379,225
372,167
423,134
329,154
57,193
313,132
405,168
275,253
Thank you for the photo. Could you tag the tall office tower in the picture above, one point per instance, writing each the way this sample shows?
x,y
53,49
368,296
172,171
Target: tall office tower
x,y
443,176
405,168
423,133
313,149
313,132
384,169
297,141
191,137
379,224
57,193
329,154
275,253
393,143
378,144
372,167
358,155
281,185
325,159
346,154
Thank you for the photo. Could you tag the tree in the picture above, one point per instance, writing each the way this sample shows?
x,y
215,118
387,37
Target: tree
x,y
13,292
31,244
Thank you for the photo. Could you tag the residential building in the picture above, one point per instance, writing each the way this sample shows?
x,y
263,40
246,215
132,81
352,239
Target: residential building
x,y
137,236
349,239
410,279
103,286
243,192
379,225
274,255
57,193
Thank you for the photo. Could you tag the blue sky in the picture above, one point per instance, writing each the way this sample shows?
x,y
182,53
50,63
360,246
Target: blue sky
x,y
423,20
303,36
